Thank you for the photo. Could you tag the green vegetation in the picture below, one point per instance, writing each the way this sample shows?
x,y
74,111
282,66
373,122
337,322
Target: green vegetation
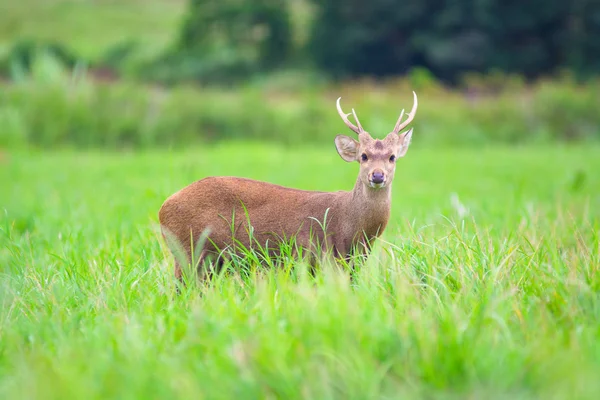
x,y
91,28
52,100
234,38
485,285
450,38
180,40
54,109
489,294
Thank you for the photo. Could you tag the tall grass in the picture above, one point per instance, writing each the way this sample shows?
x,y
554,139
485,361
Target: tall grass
x,y
57,108
485,284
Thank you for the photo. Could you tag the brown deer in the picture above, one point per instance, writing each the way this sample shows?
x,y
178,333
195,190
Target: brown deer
x,y
227,214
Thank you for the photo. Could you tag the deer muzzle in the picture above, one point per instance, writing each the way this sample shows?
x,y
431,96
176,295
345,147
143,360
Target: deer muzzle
x,y
377,178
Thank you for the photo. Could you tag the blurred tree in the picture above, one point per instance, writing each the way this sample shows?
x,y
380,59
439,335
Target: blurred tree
x,y
380,37
524,34
241,35
581,38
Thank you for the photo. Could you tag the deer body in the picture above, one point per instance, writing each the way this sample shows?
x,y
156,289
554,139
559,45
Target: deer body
x,y
234,211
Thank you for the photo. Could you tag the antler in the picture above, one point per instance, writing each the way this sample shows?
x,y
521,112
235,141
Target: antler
x,y
399,124
358,129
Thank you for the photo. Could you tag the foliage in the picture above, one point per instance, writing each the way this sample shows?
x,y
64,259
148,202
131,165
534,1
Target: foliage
x,y
229,39
225,42
54,107
491,293
383,37
21,57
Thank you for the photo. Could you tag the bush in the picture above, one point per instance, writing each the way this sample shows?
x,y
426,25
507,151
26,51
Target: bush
x,y
21,58
566,111
228,40
56,108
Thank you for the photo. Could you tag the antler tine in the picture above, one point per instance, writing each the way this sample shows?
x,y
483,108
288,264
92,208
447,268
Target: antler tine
x,y
358,129
411,115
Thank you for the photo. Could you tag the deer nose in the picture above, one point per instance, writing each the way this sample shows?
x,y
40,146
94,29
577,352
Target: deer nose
x,y
377,177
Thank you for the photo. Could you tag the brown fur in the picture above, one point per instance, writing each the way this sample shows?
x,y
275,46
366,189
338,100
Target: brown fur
x,y
222,206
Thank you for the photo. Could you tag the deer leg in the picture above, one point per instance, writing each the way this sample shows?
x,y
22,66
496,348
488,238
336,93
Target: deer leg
x,y
178,272
209,265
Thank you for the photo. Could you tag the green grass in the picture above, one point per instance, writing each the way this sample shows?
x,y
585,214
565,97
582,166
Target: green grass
x,y
494,298
91,27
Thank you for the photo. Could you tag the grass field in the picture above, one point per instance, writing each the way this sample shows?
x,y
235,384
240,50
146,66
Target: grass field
x,y
90,28
487,285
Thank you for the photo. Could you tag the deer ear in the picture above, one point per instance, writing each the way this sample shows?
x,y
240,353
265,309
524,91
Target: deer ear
x,y
404,142
346,147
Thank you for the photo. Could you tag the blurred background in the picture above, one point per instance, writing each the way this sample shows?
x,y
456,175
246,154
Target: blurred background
x,y
146,73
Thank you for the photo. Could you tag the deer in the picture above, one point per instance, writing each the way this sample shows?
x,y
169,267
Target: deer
x,y
225,214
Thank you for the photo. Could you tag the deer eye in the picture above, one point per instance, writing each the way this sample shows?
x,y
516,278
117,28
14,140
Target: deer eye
x,y
364,157
392,158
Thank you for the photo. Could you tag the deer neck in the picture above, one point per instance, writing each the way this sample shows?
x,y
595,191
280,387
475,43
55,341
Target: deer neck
x,y
371,196
372,205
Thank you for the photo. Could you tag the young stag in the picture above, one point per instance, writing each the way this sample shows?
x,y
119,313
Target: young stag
x,y
230,213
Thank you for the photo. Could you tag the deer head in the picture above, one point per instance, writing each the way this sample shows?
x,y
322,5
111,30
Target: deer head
x,y
377,158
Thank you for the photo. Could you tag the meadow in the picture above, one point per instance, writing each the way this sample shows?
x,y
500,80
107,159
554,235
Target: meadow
x,y
485,284
92,28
